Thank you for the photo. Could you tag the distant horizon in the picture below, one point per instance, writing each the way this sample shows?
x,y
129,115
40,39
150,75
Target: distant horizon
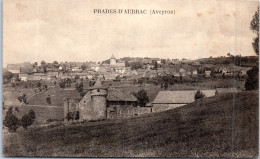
x,y
39,62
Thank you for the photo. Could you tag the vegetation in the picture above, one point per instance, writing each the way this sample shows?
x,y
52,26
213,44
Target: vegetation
x,y
252,79
142,97
135,65
199,95
11,121
22,99
7,75
72,115
205,129
79,87
28,119
48,100
254,26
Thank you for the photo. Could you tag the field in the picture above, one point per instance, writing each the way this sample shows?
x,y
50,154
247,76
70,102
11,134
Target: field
x,y
43,113
57,97
222,126
10,94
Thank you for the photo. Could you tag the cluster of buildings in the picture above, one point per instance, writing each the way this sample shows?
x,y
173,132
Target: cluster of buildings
x,y
102,102
117,68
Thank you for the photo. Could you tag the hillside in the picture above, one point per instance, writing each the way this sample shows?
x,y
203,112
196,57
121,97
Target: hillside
x,y
212,127
57,97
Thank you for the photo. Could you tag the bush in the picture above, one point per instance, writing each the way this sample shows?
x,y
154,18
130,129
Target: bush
x,y
79,87
28,119
142,97
252,79
48,100
22,98
199,95
72,115
11,121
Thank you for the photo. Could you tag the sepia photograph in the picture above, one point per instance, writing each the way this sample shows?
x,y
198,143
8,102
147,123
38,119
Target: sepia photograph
x,y
130,78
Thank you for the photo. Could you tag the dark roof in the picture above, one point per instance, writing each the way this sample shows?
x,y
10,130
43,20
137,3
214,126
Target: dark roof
x,y
179,97
118,95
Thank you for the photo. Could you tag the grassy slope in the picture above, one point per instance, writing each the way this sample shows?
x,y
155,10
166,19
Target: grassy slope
x,y
220,126
57,97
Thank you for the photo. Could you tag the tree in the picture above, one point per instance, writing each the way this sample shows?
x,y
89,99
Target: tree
x,y
55,62
136,65
35,64
76,77
83,67
62,84
7,75
39,84
48,100
11,121
254,26
117,78
142,97
43,63
22,99
28,119
79,87
199,95
252,79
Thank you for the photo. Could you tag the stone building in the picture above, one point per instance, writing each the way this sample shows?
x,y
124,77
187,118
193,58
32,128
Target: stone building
x,y
166,100
102,102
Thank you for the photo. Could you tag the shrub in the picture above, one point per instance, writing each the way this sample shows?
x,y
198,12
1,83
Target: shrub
x,y
199,95
28,119
252,79
11,121
22,98
142,97
48,100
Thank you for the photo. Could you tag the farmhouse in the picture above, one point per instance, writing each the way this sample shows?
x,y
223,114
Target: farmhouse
x,y
13,68
172,99
102,102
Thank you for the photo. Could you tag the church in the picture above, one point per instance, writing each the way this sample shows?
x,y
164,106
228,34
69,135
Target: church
x,y
117,66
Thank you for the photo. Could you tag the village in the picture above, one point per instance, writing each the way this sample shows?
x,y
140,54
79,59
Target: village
x,y
117,88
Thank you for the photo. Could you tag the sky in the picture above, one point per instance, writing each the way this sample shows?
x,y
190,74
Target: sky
x,y
68,30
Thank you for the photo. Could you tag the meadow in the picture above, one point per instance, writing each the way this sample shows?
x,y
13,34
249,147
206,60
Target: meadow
x,y
225,125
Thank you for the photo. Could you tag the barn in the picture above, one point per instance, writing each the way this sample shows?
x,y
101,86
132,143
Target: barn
x,y
172,99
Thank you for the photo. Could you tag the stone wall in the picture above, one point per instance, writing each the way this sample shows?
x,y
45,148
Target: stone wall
x,y
163,107
126,111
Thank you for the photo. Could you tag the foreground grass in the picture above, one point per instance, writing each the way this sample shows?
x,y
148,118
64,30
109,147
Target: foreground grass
x,y
221,126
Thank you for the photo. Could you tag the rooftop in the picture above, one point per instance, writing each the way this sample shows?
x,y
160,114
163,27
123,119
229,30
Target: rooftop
x,y
118,95
179,97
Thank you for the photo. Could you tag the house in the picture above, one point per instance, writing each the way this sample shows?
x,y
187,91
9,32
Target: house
x,y
76,69
23,77
95,67
102,102
14,68
194,73
13,79
110,77
53,74
172,99
243,72
117,66
208,73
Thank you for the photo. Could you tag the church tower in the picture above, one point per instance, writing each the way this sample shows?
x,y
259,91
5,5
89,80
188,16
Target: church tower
x,y
112,60
99,100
